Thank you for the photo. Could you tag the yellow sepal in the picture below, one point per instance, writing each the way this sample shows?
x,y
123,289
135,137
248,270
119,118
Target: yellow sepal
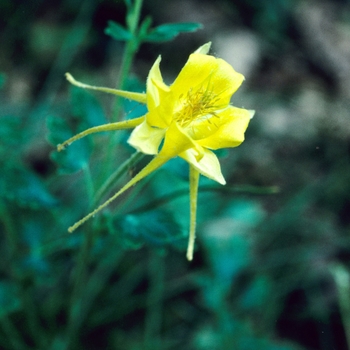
x,y
126,124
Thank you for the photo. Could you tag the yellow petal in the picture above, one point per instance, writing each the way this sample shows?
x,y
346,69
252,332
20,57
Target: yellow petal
x,y
146,139
155,85
230,125
161,116
209,74
176,141
159,98
208,165
135,96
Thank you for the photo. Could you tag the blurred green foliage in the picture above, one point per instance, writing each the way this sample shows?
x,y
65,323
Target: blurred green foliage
x,y
270,18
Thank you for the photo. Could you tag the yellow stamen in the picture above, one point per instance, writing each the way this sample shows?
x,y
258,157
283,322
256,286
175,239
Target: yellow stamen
x,y
195,105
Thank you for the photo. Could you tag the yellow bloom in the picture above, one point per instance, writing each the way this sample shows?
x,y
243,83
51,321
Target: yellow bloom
x,y
191,117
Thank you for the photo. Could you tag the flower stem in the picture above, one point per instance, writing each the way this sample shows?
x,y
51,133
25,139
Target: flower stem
x,y
342,281
12,241
153,319
131,48
80,274
153,165
12,334
121,170
31,316
10,230
80,279
88,181
194,180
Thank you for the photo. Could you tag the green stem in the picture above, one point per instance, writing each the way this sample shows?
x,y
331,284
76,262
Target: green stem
x,y
342,281
30,309
130,162
204,188
50,246
98,279
32,316
68,51
88,181
137,12
13,336
80,277
76,307
10,231
153,320
131,48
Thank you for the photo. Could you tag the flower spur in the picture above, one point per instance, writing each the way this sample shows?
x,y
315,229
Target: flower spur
x,y
192,117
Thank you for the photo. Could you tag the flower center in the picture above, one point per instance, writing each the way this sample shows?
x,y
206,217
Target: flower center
x,y
196,105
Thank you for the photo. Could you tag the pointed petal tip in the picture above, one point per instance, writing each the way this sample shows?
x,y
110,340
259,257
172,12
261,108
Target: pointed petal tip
x,y
251,112
204,49
218,177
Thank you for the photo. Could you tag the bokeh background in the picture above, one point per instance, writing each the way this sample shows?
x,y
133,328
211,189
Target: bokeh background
x,y
271,268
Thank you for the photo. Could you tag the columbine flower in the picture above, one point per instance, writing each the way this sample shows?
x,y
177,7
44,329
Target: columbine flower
x,y
193,116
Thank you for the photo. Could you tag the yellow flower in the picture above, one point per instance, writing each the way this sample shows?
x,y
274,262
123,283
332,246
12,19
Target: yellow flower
x,y
191,117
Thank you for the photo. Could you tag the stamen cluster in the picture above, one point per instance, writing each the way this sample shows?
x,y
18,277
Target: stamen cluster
x,y
195,105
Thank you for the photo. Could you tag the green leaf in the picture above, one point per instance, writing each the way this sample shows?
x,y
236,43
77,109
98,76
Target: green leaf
x,y
2,80
247,213
169,31
130,15
128,3
9,298
134,109
257,293
117,32
153,228
74,157
88,112
86,108
59,130
10,133
144,27
230,248
182,27
22,186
